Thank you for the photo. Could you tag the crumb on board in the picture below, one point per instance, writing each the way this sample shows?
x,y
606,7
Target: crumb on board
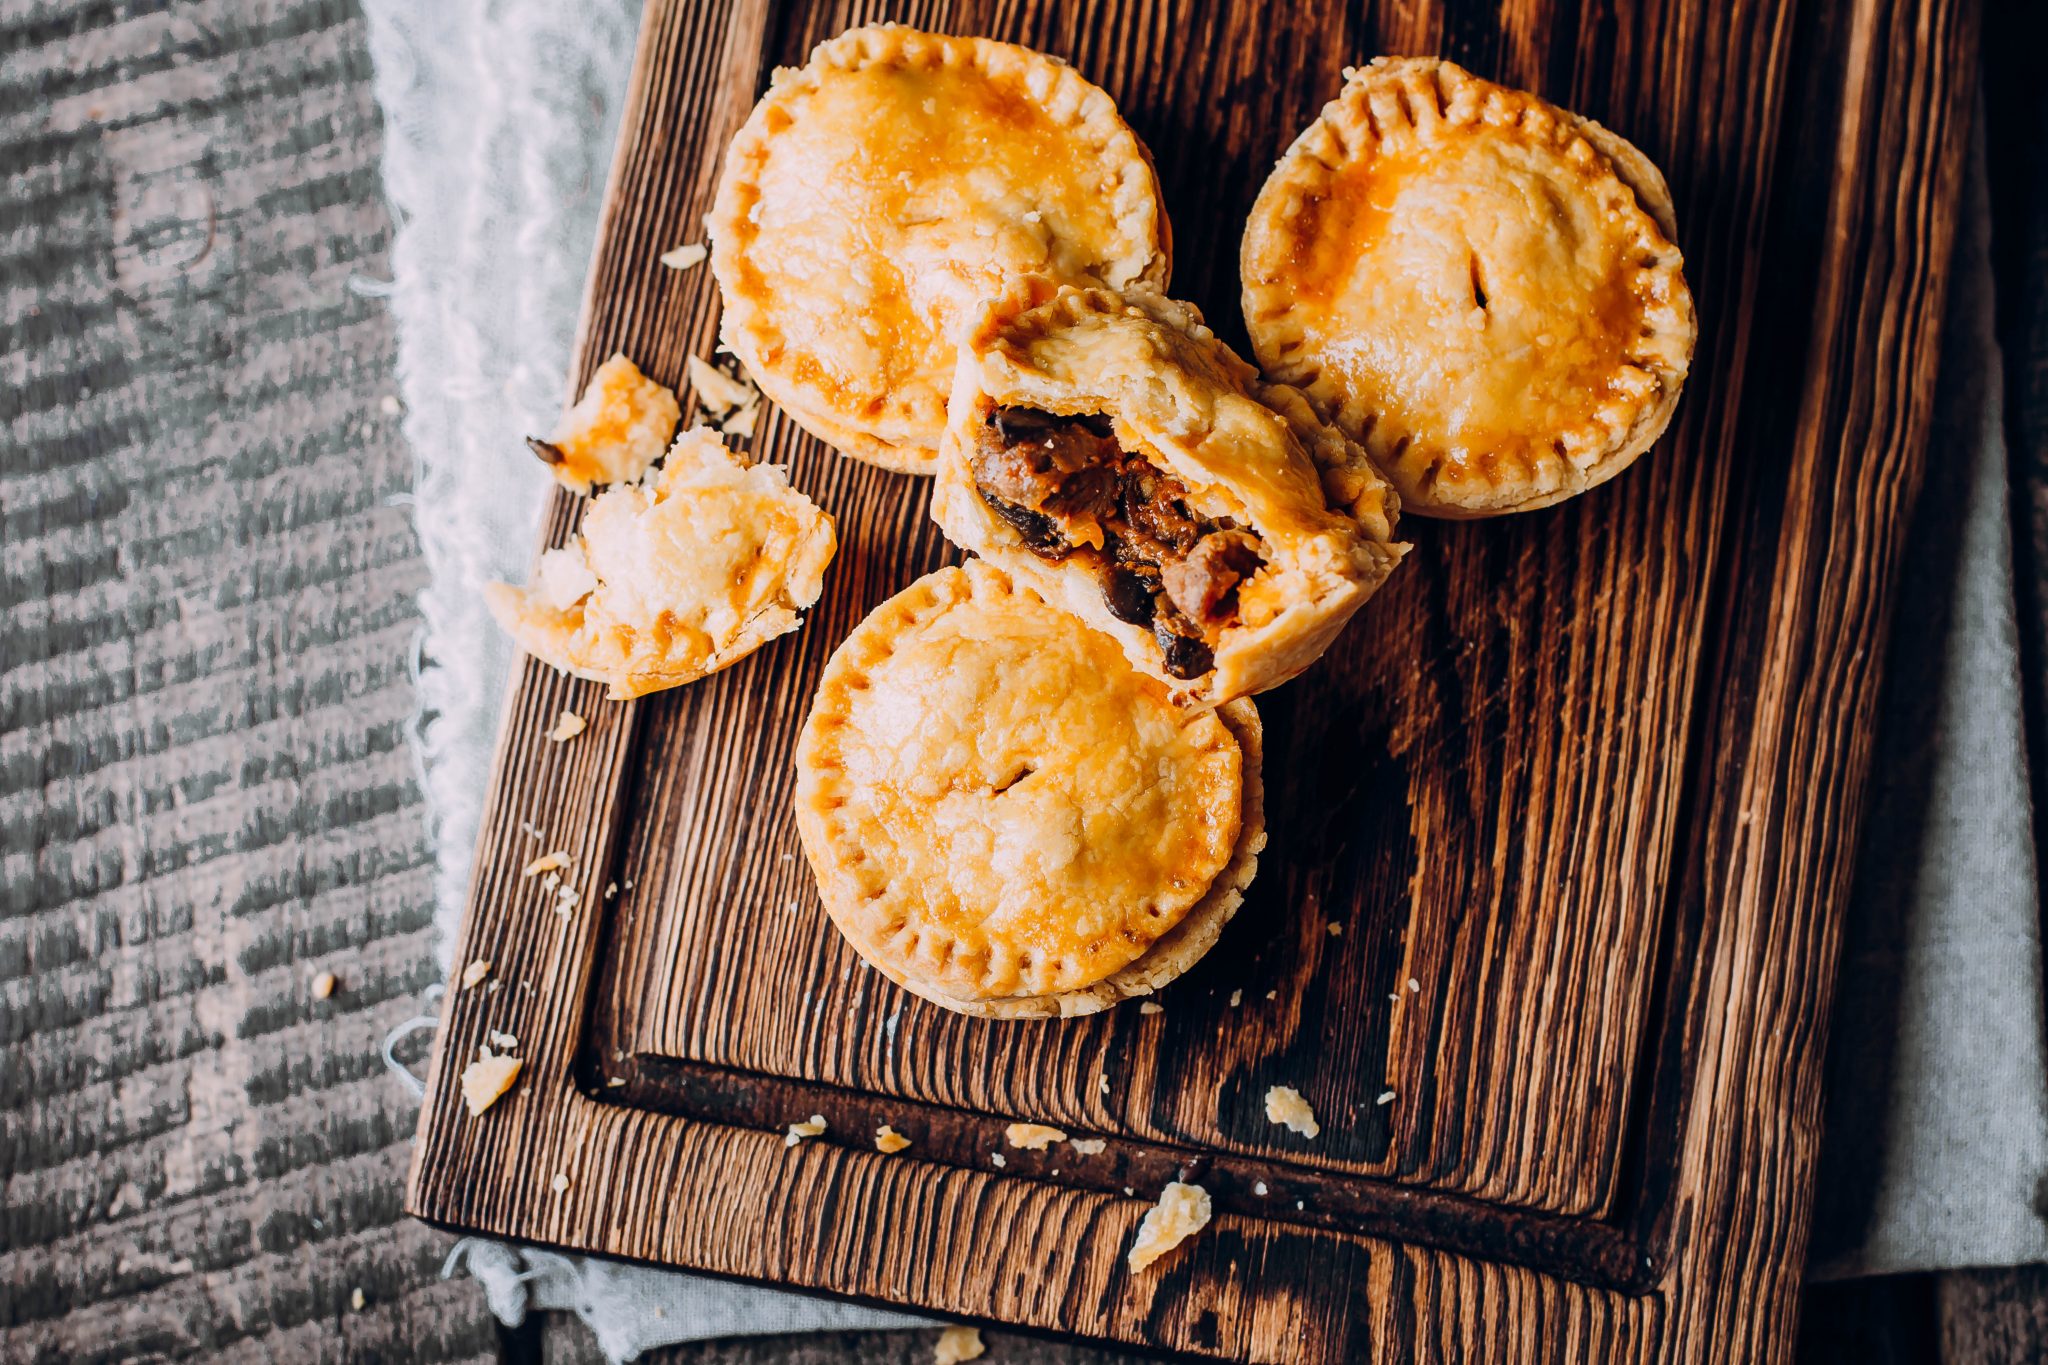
x,y
610,889
1272,995
1236,999
355,1299
614,1082
1386,1097
809,1128
684,257
546,862
1258,1187
324,984
1129,1192
486,1079
1182,1211
957,1344
1414,985
718,393
1285,1105
475,972
1336,929
1102,1083
1088,1146
560,1184
1151,1007
1032,1137
568,725
504,1042
999,1159
888,1140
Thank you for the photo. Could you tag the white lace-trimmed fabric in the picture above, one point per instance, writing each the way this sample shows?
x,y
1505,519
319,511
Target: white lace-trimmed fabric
x,y
499,120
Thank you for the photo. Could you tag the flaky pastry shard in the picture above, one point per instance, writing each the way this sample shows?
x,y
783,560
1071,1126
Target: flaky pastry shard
x,y
615,432
672,580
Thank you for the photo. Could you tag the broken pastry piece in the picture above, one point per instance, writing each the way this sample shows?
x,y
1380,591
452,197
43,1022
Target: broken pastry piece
x,y
1009,820
1114,456
669,582
616,431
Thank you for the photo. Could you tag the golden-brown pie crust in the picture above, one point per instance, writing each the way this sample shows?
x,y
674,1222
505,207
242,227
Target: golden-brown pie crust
x,y
1479,286
1254,451
1006,818
672,581
879,193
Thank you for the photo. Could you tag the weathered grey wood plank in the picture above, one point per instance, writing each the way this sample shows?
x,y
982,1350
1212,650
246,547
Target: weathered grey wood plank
x,y
205,797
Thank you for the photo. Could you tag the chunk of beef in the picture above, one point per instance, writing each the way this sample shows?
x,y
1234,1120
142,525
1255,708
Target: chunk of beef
x,y
1203,586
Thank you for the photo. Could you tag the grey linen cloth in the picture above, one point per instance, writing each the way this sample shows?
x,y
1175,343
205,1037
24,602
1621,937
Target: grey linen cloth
x,y
500,118
1935,1148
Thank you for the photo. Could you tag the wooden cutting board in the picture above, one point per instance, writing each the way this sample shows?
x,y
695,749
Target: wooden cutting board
x,y
1561,828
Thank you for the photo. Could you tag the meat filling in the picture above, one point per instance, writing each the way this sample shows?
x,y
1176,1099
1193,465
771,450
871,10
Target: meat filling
x,y
1071,492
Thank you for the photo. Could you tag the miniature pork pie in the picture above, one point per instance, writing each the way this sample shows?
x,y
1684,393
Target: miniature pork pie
x,y
1112,454
1009,820
1478,286
877,194
676,579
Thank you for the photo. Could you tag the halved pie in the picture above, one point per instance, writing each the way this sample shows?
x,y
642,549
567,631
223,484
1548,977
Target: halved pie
x,y
1109,452
1477,285
669,582
1006,818
878,193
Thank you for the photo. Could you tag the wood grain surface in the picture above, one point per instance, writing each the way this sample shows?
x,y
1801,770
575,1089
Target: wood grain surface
x,y
1589,778
205,798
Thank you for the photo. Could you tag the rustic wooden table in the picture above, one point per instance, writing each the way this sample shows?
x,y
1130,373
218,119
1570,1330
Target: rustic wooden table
x,y
205,796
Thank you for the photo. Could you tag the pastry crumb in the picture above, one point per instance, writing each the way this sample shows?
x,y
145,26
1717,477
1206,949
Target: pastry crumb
x,y
614,1082
684,257
1088,1146
999,1159
475,972
568,725
559,1183
957,1344
1336,929
485,1080
355,1299
1182,1211
1386,1097
1032,1137
546,862
610,889
717,392
1150,1007
1258,1187
1102,1083
1236,999
1413,984
888,1140
503,1041
810,1128
324,984
1284,1105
